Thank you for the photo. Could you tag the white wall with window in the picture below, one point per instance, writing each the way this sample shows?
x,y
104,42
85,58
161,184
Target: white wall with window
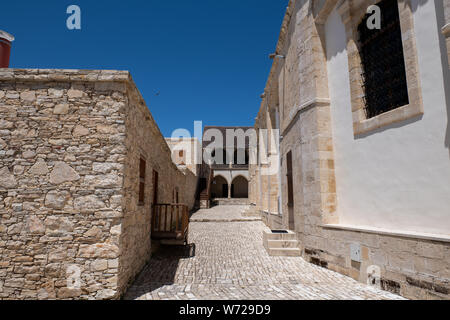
x,y
396,177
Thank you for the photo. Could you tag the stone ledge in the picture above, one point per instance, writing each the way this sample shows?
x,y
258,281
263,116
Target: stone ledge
x,y
388,232
400,114
317,102
63,75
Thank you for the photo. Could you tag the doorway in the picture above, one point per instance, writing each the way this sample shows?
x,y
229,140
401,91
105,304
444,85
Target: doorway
x,y
224,191
155,187
290,186
239,188
219,187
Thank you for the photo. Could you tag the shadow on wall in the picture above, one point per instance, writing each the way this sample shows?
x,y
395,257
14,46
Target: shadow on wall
x,y
439,5
391,126
336,45
440,15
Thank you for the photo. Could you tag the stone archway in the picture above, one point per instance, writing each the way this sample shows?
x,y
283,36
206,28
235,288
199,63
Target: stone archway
x,y
239,188
219,187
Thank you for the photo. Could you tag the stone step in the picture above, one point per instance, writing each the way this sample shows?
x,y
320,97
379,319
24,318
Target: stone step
x,y
279,236
284,252
231,202
280,244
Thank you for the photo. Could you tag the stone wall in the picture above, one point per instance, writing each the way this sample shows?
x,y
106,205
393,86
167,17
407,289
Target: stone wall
x,y
191,153
263,175
144,140
413,266
70,224
189,164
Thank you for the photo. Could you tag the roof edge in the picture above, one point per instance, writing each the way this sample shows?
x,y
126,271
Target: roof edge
x,y
64,75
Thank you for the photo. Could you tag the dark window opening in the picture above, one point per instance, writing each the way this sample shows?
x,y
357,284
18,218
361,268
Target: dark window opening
x,y
225,191
202,184
241,157
290,180
383,62
290,187
155,186
142,168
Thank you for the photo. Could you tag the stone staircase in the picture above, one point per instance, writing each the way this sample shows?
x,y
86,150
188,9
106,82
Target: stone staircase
x,y
281,244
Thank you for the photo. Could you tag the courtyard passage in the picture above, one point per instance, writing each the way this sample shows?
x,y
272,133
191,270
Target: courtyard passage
x,y
229,262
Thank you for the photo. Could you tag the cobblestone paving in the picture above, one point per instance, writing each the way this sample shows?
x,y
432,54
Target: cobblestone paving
x,y
230,262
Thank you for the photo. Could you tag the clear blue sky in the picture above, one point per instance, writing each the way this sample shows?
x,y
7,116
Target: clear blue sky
x,y
207,58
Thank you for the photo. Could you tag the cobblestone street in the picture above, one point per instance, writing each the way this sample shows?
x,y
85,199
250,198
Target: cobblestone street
x,y
230,262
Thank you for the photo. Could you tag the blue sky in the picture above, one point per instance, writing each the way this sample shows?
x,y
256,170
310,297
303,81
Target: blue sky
x,y
207,58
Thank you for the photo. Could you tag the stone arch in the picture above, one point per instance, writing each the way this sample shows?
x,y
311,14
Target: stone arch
x,y
219,187
239,187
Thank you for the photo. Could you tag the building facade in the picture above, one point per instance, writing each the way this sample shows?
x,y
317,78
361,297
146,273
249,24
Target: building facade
x,y
226,158
81,163
361,122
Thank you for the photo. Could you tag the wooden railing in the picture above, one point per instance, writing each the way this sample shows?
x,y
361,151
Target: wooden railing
x,y
170,222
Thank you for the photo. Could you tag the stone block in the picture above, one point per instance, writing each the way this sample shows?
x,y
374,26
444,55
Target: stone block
x,y
7,180
57,199
39,168
99,250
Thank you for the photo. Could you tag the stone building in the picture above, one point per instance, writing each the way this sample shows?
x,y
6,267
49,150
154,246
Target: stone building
x,y
361,123
226,154
186,155
81,163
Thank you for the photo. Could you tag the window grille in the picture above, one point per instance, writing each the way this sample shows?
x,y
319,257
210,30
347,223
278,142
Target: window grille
x,y
383,62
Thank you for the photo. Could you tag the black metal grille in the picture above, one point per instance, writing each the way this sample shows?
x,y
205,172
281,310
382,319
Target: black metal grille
x,y
383,62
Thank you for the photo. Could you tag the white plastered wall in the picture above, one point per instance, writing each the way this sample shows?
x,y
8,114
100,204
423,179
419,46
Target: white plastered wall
x,y
396,178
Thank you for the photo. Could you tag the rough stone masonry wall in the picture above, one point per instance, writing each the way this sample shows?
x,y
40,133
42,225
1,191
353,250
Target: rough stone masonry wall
x,y
144,140
61,167
69,163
